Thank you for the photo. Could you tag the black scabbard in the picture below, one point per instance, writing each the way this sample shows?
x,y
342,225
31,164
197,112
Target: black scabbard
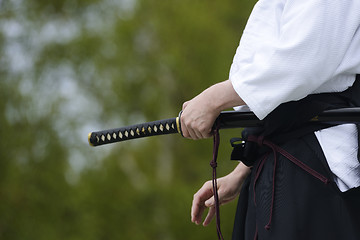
x,y
226,120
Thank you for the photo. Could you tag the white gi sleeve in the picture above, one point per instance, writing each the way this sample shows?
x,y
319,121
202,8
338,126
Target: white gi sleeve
x,y
290,48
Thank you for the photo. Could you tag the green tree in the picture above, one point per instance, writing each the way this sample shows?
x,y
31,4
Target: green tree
x,y
69,67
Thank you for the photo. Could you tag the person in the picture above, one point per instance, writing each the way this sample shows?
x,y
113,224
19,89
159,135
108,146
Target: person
x,y
295,58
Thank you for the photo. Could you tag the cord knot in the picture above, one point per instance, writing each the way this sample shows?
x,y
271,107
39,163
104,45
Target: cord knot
x,y
213,164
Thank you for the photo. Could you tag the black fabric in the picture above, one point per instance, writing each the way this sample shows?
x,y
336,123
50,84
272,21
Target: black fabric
x,y
304,207
244,150
241,211
295,115
291,120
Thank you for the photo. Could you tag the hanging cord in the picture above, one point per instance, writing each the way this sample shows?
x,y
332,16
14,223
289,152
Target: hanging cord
x,y
276,149
213,164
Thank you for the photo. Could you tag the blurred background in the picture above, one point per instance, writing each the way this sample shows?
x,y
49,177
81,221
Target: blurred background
x,y
69,67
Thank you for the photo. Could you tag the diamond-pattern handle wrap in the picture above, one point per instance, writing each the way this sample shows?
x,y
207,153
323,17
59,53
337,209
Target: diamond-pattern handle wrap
x,y
160,127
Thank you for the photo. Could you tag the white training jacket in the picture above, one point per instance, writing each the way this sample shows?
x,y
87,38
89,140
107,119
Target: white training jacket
x,y
293,48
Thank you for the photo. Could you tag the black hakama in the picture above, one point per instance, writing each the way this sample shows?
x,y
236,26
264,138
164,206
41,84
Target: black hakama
x,y
288,202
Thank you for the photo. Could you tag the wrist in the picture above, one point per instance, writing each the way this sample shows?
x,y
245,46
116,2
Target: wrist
x,y
223,96
241,171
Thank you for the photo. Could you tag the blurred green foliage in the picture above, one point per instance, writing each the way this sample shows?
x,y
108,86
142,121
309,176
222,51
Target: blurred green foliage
x,y
68,67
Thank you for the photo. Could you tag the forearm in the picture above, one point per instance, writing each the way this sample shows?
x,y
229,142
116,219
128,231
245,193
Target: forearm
x,y
222,96
241,171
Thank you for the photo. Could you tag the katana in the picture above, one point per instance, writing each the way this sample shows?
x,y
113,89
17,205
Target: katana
x,y
226,120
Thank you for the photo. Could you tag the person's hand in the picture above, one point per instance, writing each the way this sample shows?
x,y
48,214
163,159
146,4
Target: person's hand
x,y
228,189
199,114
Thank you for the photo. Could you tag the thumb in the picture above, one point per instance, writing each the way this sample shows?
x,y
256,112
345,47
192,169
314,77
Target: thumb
x,y
209,202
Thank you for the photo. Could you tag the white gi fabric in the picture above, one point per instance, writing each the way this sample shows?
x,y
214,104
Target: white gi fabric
x,y
293,48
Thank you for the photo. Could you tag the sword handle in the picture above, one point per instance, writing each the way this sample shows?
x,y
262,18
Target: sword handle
x,y
226,119
160,127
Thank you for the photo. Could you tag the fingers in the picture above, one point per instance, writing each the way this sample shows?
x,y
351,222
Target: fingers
x,y
210,202
197,119
199,212
194,134
196,213
228,188
194,128
209,216
190,132
198,204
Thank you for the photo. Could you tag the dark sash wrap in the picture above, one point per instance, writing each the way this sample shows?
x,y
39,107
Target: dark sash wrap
x,y
281,201
291,120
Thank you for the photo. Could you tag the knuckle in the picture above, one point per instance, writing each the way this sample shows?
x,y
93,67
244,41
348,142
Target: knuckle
x,y
207,184
195,197
187,122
